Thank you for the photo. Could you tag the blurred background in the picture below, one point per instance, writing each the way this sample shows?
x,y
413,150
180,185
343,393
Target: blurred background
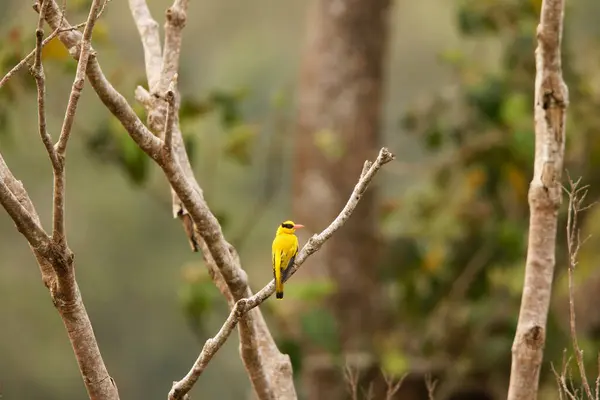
x,y
282,103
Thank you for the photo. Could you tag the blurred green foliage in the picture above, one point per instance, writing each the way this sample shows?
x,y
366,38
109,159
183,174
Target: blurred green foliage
x,y
459,257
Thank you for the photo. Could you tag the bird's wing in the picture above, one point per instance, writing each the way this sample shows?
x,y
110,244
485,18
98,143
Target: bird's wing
x,y
289,265
293,252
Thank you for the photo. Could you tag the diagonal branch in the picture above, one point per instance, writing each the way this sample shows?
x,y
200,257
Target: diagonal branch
x,y
269,370
242,306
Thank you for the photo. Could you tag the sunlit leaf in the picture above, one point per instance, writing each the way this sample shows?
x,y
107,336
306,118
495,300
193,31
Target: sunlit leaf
x,y
101,32
517,180
434,257
55,50
476,177
329,143
394,362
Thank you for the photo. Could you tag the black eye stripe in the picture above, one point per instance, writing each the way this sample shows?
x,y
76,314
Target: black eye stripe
x,y
287,226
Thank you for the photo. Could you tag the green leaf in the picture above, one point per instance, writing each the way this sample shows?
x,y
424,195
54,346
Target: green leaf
x,y
454,57
294,350
516,108
239,142
191,108
523,143
319,327
487,98
133,160
312,291
229,103
434,138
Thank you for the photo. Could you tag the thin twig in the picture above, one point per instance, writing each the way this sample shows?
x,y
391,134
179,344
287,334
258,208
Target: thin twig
x,y
430,383
351,375
244,305
392,388
369,394
576,198
58,232
598,379
558,382
40,82
32,53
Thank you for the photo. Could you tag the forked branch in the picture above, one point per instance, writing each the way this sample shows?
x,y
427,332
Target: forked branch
x,y
242,306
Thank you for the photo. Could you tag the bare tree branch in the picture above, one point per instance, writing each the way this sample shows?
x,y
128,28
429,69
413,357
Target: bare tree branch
x,y
54,257
181,388
148,30
176,17
551,101
160,70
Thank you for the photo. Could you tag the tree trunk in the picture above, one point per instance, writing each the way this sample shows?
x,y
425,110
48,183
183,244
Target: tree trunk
x,y
551,100
338,126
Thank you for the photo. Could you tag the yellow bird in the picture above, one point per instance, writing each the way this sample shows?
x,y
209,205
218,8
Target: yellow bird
x,y
285,248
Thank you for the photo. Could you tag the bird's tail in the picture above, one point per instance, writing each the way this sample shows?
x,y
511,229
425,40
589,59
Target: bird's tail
x,y
278,285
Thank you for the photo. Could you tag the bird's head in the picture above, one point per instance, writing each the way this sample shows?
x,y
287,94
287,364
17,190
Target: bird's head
x,y
288,227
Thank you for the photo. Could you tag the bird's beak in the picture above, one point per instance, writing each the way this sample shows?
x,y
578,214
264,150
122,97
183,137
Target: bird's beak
x,y
298,226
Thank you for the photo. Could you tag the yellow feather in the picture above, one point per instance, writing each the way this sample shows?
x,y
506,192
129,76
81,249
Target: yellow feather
x,y
284,250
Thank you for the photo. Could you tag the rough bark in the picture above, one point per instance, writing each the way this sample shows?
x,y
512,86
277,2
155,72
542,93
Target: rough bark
x,y
551,100
340,95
